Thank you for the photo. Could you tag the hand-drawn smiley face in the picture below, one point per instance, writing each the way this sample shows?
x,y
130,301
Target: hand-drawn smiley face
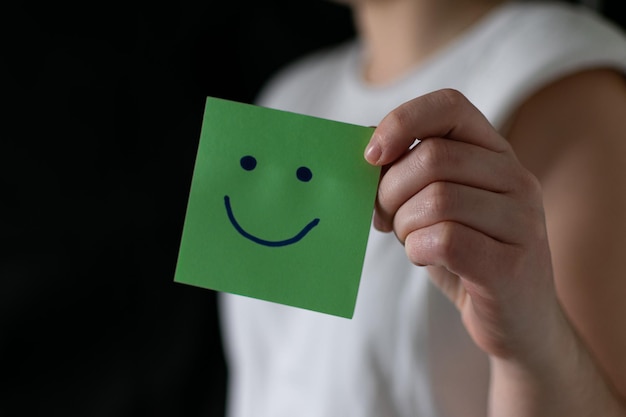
x,y
279,208
303,174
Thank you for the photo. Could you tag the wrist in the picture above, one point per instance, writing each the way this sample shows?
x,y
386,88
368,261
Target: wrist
x,y
558,379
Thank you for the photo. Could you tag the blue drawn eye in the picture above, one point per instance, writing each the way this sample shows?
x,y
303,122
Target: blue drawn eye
x,y
248,162
304,174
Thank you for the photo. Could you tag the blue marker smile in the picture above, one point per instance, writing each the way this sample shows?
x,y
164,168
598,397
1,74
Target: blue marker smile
x,y
273,243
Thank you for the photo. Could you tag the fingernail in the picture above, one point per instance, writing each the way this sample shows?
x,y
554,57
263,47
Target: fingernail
x,y
373,153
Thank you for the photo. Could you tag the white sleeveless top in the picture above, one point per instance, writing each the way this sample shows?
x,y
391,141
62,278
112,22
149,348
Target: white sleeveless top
x,y
405,352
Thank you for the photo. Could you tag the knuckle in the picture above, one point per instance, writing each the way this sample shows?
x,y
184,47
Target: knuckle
x,y
439,244
446,243
531,193
451,97
438,202
535,223
526,182
441,199
431,154
534,186
396,121
529,185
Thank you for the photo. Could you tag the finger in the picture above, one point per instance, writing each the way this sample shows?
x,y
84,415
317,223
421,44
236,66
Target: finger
x,y
435,160
463,251
493,214
445,113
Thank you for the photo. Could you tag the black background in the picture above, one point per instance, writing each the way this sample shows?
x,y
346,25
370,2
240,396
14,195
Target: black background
x,y
102,112
102,107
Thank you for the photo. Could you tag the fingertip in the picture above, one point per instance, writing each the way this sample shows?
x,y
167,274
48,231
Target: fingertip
x,y
380,224
373,152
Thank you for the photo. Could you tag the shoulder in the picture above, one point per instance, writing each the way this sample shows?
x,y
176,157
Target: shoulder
x,y
572,135
557,17
584,107
534,44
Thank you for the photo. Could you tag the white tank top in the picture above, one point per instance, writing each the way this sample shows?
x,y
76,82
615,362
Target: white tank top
x,y
405,352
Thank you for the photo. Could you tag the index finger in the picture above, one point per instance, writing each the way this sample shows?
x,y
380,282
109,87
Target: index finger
x,y
444,113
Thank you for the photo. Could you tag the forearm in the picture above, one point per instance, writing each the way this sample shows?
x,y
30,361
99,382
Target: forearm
x,y
561,379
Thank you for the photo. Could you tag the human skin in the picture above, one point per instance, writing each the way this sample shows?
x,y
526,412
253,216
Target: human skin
x,y
523,229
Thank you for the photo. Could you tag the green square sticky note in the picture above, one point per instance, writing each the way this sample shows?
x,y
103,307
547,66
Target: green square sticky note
x,y
279,208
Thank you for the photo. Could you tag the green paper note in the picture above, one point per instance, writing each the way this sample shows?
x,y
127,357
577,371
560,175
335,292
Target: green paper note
x,y
279,209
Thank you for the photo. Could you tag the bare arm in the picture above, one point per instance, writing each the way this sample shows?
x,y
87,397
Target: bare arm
x,y
465,203
572,136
